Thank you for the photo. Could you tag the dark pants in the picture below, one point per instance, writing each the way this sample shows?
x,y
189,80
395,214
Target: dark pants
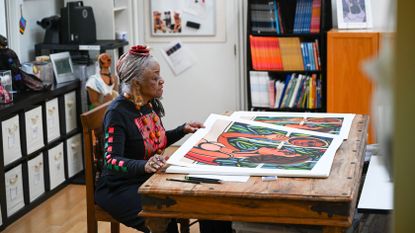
x,y
124,204
210,226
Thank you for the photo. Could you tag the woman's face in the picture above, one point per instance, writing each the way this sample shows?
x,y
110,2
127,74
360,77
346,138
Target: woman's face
x,y
151,86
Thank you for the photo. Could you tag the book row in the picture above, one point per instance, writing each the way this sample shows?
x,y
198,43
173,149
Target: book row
x,y
284,54
296,91
273,16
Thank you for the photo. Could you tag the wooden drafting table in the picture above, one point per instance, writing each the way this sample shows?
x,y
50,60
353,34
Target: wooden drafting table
x,y
330,203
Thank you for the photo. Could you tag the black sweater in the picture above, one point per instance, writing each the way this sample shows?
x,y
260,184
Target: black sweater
x,y
131,137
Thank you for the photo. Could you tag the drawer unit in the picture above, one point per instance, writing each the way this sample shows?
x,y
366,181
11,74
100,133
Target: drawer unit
x,y
34,150
52,119
36,177
70,112
56,166
11,140
34,129
74,154
14,190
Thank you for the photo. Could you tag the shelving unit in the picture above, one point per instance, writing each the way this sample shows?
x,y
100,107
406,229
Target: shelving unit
x,y
112,17
286,54
41,148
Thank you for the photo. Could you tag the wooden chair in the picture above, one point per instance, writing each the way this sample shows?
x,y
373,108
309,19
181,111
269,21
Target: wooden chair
x,y
92,131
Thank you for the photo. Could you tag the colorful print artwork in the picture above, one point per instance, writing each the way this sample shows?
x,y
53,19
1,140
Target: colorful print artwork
x,y
241,147
336,124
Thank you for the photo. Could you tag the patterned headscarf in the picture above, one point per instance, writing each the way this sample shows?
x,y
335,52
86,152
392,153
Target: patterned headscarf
x,y
133,63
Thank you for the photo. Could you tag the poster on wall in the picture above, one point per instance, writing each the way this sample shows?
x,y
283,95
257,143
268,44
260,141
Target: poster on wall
x,y
229,146
182,18
177,56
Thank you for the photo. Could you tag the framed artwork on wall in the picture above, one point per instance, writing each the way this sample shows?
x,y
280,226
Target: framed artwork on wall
x,y
354,14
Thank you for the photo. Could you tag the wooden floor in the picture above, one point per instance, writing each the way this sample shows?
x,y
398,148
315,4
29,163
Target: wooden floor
x,y
65,212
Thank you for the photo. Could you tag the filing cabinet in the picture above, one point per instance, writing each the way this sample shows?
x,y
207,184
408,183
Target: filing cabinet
x,y
36,177
41,148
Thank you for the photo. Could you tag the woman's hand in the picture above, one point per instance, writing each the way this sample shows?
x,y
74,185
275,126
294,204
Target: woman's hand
x,y
191,127
154,164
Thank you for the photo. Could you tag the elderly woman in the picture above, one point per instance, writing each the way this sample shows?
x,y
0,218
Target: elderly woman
x,y
135,137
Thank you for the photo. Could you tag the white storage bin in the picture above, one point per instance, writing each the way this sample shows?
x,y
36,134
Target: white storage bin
x,y
249,227
36,177
74,153
70,111
14,190
56,166
52,119
11,140
34,129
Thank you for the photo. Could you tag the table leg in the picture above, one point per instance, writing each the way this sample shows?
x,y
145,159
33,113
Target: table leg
x,y
330,229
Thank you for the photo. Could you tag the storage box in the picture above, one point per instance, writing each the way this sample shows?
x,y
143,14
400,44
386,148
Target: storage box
x,y
6,89
14,190
42,70
248,227
36,177
11,139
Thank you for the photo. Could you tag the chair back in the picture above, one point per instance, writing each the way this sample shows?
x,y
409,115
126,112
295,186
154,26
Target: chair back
x,y
92,122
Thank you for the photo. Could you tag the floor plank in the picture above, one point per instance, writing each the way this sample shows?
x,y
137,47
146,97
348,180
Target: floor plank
x,y
65,212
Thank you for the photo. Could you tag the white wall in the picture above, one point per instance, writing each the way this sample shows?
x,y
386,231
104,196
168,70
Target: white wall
x,y
33,11
380,14
212,85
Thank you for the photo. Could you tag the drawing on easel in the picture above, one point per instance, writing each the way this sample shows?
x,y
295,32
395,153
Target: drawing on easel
x,y
333,123
182,17
241,147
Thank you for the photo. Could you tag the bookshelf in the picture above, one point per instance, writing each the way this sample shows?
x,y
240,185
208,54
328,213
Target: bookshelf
x,y
286,54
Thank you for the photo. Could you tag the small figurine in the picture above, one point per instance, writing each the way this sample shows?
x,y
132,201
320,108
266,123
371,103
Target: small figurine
x,y
103,86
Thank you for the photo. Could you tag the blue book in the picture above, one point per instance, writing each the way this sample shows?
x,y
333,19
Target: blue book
x,y
287,81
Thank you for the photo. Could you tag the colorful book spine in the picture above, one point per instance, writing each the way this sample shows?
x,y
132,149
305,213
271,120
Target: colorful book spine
x,y
315,17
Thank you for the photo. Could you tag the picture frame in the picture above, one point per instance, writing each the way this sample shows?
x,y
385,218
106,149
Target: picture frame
x,y
62,67
354,14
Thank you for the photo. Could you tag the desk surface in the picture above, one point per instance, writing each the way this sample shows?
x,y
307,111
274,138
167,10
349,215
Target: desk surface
x,y
377,192
328,202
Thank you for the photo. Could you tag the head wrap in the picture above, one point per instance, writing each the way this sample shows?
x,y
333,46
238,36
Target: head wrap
x,y
133,63
139,50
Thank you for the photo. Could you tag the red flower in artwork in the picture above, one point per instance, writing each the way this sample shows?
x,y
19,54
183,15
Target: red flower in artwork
x,y
139,50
